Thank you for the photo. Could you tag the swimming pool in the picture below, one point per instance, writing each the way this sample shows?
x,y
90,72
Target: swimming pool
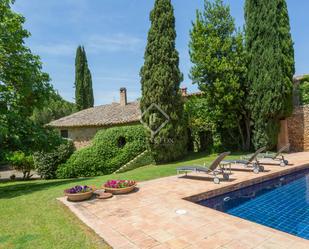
x,y
281,203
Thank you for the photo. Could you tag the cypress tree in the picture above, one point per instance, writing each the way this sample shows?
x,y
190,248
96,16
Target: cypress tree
x,y
270,67
89,100
79,79
83,81
160,79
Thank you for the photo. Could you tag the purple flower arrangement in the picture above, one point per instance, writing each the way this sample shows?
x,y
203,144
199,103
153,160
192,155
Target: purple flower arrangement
x,y
78,189
119,184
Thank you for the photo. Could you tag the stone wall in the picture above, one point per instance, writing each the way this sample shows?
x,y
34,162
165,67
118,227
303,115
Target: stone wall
x,y
82,136
298,129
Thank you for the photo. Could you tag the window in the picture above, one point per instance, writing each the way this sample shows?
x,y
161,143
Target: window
x,y
65,133
121,142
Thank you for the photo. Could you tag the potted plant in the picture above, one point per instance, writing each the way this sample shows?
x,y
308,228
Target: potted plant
x,y
79,193
119,186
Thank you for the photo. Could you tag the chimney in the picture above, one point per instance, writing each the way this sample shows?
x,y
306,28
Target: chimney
x,y
123,96
184,91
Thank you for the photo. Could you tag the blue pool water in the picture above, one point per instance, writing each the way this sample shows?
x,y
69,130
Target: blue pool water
x,y
281,203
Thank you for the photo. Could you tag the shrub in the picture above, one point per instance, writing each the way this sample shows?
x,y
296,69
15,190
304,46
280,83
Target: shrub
x,y
111,149
22,162
304,90
46,164
3,157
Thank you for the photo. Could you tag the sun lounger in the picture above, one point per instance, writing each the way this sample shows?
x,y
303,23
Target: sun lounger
x,y
214,169
251,161
276,157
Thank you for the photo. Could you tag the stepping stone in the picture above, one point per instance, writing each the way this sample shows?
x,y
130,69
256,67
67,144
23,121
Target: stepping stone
x,y
105,195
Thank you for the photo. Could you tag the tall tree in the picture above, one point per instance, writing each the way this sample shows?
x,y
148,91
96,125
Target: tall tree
x,y
53,108
270,67
87,83
160,79
79,79
83,81
219,69
23,85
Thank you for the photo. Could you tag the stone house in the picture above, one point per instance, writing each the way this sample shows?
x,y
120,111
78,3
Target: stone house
x,y
82,126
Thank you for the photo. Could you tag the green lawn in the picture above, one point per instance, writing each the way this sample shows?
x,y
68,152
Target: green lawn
x,y
31,217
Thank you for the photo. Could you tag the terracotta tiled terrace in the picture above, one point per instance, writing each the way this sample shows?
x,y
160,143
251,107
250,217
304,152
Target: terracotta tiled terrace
x,y
148,218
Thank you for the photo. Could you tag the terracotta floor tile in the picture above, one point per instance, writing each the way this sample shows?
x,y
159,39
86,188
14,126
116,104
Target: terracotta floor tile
x,y
117,241
147,243
253,239
161,236
125,228
276,243
149,228
176,243
236,244
209,230
137,235
300,245
127,246
160,247
206,245
192,236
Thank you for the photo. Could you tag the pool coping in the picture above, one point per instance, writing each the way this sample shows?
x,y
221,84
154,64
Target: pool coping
x,y
247,183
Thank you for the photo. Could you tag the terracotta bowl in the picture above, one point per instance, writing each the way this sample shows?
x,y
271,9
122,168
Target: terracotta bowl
x,y
116,191
79,196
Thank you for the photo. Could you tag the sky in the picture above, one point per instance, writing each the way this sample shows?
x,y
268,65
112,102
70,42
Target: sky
x,y
114,34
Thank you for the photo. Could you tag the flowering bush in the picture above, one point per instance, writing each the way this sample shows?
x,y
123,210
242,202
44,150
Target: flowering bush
x,y
119,184
78,189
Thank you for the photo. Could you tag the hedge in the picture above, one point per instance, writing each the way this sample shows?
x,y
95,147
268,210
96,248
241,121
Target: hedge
x,y
110,149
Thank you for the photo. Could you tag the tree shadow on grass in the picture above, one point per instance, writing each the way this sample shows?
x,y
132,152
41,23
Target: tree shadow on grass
x,y
28,187
200,155
190,157
19,241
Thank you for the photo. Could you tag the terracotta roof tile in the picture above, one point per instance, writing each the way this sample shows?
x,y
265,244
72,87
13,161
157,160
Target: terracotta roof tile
x,y
104,115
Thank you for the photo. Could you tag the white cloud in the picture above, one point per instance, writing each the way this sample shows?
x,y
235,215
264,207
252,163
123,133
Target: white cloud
x,y
113,43
94,44
54,49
